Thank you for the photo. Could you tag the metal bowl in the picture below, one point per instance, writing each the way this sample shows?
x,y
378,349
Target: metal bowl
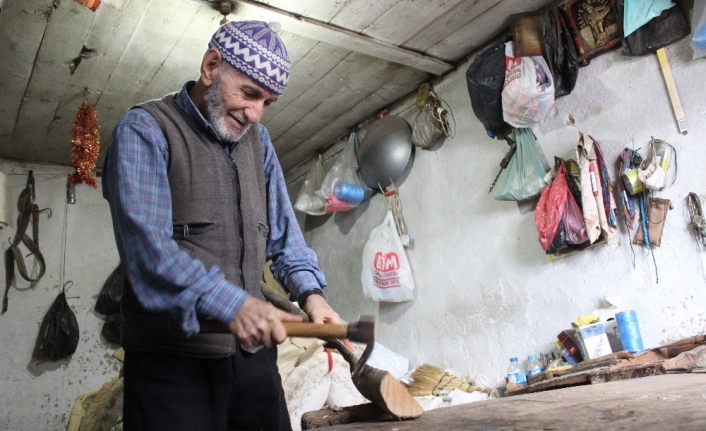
x,y
385,151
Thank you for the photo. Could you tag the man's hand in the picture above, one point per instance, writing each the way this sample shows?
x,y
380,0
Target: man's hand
x,y
320,312
258,322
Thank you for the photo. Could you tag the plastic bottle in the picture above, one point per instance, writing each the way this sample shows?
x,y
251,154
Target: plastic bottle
x,y
534,366
515,373
565,353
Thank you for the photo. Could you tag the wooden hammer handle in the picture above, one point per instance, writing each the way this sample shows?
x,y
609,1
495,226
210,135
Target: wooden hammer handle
x,y
295,329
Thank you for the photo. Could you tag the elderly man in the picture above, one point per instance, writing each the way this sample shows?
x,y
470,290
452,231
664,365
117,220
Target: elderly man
x,y
199,203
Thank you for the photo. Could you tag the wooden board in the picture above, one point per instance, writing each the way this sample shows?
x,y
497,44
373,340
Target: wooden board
x,y
341,125
19,40
666,402
65,35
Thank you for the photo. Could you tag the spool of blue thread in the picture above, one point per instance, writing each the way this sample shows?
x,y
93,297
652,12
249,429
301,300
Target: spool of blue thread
x,y
629,331
350,193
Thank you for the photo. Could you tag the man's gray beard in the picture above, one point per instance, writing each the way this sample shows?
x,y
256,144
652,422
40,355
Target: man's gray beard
x,y
216,115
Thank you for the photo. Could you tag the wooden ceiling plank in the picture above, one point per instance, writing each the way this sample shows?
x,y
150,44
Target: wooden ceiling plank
x,y
297,7
355,88
396,86
414,14
329,85
66,33
363,110
183,61
305,74
360,14
453,19
108,37
484,27
162,25
325,10
22,27
344,38
298,47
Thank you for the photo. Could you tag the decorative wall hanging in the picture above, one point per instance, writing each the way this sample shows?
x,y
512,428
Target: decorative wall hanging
x,y
85,145
595,26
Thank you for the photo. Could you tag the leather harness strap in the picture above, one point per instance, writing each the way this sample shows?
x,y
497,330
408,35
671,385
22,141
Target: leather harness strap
x,y
28,212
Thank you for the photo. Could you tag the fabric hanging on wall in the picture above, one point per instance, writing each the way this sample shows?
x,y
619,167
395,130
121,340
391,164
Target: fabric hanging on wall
x,y
6,202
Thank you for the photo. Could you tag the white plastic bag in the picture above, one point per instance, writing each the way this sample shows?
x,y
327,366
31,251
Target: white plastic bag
x,y
387,274
528,91
308,201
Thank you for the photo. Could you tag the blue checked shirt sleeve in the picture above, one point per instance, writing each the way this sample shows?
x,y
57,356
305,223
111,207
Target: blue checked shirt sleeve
x,y
294,265
165,279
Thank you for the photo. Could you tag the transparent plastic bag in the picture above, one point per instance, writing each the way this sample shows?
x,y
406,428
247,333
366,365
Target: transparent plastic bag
x,y
387,275
698,26
308,201
528,91
654,175
425,128
341,189
524,176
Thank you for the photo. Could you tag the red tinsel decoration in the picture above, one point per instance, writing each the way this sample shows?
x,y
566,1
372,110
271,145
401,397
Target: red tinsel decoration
x,y
85,145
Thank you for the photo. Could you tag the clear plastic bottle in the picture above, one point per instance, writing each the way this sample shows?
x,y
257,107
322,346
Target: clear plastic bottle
x,y
534,365
565,353
515,373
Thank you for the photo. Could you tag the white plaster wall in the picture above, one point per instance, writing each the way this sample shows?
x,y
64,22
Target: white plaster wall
x,y
36,395
485,289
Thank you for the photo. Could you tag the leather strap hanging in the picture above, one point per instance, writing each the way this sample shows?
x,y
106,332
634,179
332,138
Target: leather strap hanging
x,y
28,212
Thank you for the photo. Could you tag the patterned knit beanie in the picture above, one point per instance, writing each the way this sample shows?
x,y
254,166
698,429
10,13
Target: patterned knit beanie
x,y
254,49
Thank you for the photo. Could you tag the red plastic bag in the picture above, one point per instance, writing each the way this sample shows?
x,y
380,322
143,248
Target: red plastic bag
x,y
550,207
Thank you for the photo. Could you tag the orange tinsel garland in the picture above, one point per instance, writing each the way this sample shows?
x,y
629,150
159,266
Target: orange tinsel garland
x,y
85,145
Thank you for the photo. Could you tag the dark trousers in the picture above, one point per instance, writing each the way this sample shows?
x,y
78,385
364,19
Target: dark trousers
x,y
177,393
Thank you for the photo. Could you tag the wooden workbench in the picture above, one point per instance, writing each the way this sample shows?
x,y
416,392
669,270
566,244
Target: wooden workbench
x,y
667,402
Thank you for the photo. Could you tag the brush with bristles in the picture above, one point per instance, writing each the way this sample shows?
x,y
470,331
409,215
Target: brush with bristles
x,y
431,380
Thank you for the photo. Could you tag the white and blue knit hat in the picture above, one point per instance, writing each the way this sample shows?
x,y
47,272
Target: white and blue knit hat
x,y
254,49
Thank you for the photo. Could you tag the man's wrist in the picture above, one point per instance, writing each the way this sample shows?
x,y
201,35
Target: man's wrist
x,y
301,299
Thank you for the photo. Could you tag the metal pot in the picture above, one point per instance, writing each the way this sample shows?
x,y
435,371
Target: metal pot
x,y
385,151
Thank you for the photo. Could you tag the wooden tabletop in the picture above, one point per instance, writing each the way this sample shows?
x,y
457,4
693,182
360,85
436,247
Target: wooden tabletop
x,y
665,402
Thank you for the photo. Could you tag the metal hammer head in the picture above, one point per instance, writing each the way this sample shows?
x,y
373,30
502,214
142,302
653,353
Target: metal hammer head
x,y
363,331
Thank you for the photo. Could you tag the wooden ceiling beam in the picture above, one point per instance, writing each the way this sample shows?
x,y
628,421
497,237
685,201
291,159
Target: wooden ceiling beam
x,y
337,36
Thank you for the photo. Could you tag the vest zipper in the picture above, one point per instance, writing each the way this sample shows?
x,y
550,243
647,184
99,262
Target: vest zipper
x,y
240,217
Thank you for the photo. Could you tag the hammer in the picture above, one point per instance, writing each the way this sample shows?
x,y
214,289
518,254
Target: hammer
x,y
378,386
362,331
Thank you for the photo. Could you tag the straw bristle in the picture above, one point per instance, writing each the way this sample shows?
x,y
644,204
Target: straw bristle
x,y
431,380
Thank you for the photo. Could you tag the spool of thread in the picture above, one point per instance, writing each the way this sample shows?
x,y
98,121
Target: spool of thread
x,y
629,331
632,183
349,193
333,204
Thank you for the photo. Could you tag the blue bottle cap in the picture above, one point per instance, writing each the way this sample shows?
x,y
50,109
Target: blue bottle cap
x,y
532,356
513,359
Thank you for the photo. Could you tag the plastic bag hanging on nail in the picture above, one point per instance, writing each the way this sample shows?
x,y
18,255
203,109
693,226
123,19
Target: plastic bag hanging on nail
x,y
58,333
524,177
528,90
387,274
309,201
341,188
111,293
